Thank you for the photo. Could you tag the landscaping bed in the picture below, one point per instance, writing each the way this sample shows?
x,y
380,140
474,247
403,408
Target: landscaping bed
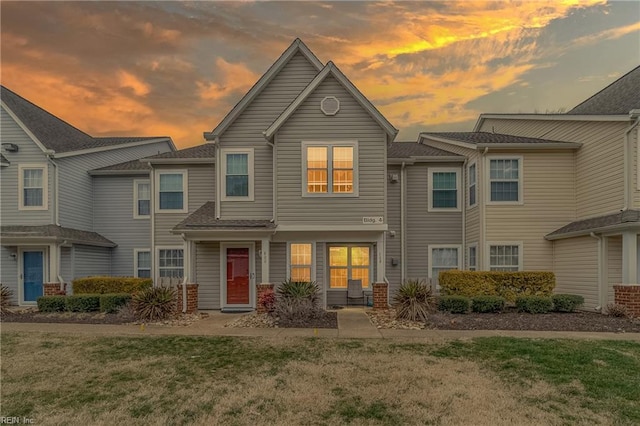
x,y
125,316
327,319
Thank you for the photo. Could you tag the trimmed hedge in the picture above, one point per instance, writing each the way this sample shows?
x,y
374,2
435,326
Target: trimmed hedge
x,y
484,304
106,285
454,304
112,303
566,302
82,303
509,285
51,303
534,304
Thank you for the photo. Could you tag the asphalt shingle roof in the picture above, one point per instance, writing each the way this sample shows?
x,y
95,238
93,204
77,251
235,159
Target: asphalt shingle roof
x,y
627,216
414,149
127,165
205,218
206,150
619,97
59,232
484,137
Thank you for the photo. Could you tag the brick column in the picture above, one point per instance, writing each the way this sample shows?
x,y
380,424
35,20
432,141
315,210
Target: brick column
x,y
380,296
192,298
53,289
629,296
261,289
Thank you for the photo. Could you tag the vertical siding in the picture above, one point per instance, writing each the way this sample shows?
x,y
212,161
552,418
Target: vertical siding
x,y
91,261
208,275
29,152
393,244
246,132
352,122
575,264
614,266
9,270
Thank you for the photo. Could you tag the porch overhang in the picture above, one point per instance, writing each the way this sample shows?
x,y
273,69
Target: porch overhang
x,y
608,224
15,235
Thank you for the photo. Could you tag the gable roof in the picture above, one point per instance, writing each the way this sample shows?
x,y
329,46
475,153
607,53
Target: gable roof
x,y
583,227
484,139
295,47
331,69
206,150
620,97
414,149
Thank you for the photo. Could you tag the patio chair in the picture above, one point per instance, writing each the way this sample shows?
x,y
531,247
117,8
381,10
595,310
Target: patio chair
x,y
355,291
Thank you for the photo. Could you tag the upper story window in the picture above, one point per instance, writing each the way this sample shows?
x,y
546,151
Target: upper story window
x,y
330,168
300,261
33,184
472,178
141,199
172,191
505,180
237,170
444,189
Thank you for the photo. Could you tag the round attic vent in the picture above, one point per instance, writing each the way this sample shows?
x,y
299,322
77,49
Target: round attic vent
x,y
330,105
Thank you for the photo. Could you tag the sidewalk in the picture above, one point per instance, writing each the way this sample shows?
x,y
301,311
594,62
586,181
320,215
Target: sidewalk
x,y
353,323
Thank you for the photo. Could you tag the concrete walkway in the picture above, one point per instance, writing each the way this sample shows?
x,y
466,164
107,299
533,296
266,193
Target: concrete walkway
x,y
353,323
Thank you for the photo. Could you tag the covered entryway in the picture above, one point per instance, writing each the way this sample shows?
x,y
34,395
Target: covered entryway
x,y
238,275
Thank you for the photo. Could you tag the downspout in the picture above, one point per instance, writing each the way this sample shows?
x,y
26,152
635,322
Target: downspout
x,y
403,241
152,219
274,181
463,188
600,281
216,142
628,158
481,198
185,279
55,211
60,279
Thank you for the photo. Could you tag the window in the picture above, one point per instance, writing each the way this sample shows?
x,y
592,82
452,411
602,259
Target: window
x,y
473,257
142,199
443,258
33,184
504,180
504,257
300,261
142,258
349,262
444,186
472,184
237,171
330,168
170,263
172,191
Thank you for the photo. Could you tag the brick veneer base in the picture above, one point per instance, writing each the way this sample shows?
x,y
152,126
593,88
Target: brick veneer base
x,y
262,288
192,298
380,296
629,296
53,289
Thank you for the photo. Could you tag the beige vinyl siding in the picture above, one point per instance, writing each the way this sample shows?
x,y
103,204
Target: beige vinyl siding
x,y
308,123
548,193
393,244
246,132
635,141
575,264
614,266
208,275
599,162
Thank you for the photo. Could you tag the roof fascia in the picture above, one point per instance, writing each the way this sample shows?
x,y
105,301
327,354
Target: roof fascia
x,y
112,147
17,240
178,160
601,229
295,47
26,129
119,172
550,117
445,140
541,145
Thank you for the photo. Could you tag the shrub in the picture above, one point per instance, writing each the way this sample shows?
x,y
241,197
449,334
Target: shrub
x,y
104,285
414,300
154,304
454,304
298,301
51,303
82,303
619,311
267,300
5,299
496,283
534,304
566,302
485,304
299,290
112,303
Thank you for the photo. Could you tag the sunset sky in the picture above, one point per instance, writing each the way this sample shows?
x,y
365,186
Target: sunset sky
x,y
165,68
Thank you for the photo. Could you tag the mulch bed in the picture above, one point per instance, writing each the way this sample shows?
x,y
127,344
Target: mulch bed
x,y
123,317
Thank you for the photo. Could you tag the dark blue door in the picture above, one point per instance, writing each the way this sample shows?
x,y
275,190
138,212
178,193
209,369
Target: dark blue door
x,y
33,262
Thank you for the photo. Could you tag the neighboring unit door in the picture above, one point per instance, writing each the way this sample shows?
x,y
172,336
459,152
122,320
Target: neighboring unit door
x,y
238,276
32,274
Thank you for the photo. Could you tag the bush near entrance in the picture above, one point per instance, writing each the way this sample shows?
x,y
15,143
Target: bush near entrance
x,y
103,285
509,285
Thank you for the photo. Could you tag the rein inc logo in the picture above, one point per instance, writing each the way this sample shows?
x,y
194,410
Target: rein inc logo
x,y
15,420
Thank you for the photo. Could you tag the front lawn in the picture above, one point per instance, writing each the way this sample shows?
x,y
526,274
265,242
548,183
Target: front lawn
x,y
58,379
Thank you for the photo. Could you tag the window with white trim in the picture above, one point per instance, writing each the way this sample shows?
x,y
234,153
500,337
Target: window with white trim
x,y
142,199
237,174
473,257
330,168
444,189
33,184
472,188
443,258
504,180
504,258
171,263
172,191
142,260
300,261
349,262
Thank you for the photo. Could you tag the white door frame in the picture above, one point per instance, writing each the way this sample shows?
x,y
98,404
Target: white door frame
x,y
45,270
251,245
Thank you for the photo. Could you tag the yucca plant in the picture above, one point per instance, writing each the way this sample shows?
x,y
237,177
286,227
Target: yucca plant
x,y
154,304
5,299
414,301
290,289
297,301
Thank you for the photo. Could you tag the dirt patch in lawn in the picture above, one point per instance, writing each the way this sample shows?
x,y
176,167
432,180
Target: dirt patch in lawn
x,y
328,319
510,319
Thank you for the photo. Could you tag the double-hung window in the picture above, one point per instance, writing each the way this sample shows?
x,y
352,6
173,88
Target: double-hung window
x,y
171,263
300,261
349,262
141,199
32,180
443,258
472,257
505,180
472,177
504,257
330,168
172,191
237,174
142,258
444,190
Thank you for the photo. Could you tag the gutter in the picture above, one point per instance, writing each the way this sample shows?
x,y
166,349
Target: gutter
x,y
628,165
463,189
218,197
482,212
534,146
602,229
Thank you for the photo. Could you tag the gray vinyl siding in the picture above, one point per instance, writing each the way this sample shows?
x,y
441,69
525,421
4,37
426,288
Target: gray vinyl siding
x,y
66,265
246,132
76,207
9,271
393,244
91,261
208,275
321,253
278,266
113,207
575,263
29,152
308,123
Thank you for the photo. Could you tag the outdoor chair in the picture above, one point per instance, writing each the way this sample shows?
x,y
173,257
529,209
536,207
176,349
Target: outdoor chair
x,y
355,291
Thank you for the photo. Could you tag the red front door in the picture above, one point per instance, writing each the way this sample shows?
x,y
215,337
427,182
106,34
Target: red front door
x,y
238,276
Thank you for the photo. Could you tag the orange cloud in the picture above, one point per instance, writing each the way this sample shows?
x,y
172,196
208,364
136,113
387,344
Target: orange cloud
x,y
128,80
233,78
